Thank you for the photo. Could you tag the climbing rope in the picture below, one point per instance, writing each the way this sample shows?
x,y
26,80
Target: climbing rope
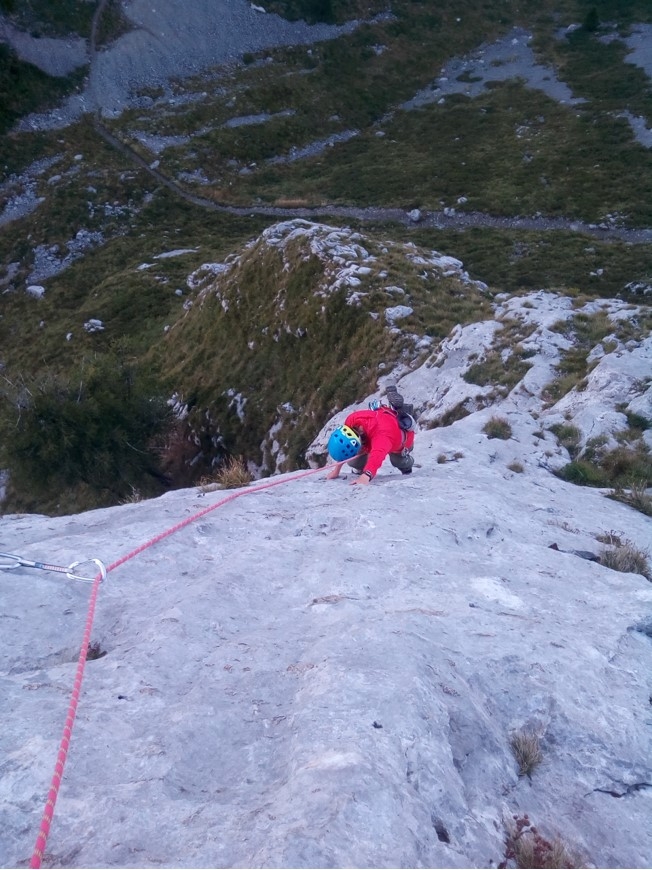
x,y
48,813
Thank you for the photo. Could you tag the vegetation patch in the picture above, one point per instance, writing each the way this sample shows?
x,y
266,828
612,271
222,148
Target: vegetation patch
x,y
586,331
458,412
568,436
25,88
627,468
44,18
249,355
505,364
517,260
497,427
83,443
526,846
635,496
233,474
625,556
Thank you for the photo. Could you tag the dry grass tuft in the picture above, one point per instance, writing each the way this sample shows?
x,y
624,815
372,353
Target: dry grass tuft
x,y
133,498
234,473
527,751
516,467
94,651
637,497
626,557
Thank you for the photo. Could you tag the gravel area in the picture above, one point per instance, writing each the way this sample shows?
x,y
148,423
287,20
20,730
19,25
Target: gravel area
x,y
56,57
176,39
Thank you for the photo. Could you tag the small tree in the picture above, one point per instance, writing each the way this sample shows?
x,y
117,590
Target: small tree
x,y
591,21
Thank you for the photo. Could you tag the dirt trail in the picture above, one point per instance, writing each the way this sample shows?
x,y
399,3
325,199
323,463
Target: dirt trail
x,y
435,219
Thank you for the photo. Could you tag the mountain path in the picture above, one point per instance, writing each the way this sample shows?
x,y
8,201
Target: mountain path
x,y
435,219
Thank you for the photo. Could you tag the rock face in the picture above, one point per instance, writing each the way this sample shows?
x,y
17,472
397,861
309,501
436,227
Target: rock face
x,y
319,675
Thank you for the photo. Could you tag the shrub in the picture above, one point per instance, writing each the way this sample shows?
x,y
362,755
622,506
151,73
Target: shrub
x,y
516,467
583,473
637,421
495,370
497,427
527,751
91,436
134,497
459,412
526,847
625,464
593,450
627,468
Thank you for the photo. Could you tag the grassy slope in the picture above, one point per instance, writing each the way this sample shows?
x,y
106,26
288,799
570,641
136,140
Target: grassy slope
x,y
281,340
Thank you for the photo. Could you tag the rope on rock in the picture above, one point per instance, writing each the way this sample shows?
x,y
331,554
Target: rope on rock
x,y
48,813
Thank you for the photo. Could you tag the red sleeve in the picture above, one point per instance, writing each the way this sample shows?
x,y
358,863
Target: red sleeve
x,y
381,445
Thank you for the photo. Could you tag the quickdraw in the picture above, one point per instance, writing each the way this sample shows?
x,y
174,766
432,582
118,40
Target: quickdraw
x,y
8,562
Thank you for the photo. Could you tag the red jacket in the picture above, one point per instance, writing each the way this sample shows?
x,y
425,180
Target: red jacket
x,y
380,434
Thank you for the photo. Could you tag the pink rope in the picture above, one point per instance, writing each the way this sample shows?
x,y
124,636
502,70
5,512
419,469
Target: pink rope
x,y
39,848
48,813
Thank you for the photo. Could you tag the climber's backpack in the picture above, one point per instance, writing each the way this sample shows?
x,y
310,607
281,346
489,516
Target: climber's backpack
x,y
405,419
403,415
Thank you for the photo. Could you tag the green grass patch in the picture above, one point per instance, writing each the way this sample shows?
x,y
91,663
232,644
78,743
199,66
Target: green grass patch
x,y
568,436
506,363
583,473
569,163
497,427
275,333
586,331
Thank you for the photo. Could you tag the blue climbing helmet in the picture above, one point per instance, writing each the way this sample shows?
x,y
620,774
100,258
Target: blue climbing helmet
x,y
343,444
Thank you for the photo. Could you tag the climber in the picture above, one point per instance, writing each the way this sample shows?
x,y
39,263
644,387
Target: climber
x,y
368,437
